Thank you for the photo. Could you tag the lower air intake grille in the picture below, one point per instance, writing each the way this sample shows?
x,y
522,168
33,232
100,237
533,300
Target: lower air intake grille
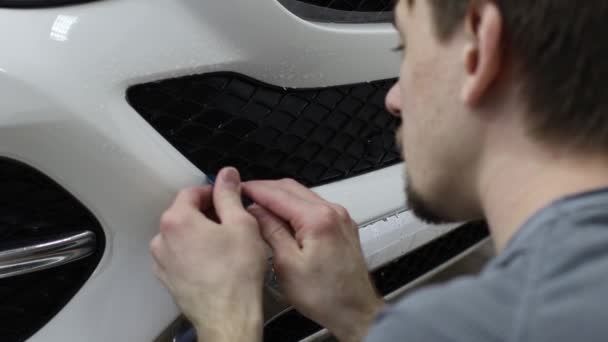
x,y
292,326
315,136
34,207
342,11
353,5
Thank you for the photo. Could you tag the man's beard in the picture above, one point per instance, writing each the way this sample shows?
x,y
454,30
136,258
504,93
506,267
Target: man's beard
x,y
422,209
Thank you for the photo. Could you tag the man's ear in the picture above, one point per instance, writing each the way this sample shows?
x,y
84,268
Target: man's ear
x,y
483,54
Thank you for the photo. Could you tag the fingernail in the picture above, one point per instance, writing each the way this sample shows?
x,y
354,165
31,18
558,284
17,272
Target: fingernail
x,y
230,177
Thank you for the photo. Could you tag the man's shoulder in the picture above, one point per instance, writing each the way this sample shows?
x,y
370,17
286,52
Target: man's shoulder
x,y
570,237
568,276
546,285
585,213
470,308
571,231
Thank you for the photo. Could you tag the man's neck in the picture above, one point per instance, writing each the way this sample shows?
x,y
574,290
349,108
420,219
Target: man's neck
x,y
516,187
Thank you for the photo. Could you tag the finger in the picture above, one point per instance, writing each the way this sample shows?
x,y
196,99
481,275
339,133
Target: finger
x,y
159,272
293,187
179,219
156,248
198,198
281,202
227,196
274,231
299,189
211,214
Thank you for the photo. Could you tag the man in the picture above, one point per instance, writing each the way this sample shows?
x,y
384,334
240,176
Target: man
x,y
505,117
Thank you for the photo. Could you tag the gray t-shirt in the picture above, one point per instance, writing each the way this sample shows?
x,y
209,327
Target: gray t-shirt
x,y
549,284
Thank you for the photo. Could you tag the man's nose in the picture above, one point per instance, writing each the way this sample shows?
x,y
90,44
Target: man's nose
x,y
393,100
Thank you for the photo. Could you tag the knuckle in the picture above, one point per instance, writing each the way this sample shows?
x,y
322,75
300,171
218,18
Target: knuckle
x,y
328,212
288,182
188,191
167,219
342,212
188,194
154,246
170,220
327,216
242,217
184,193
158,272
280,264
273,233
246,219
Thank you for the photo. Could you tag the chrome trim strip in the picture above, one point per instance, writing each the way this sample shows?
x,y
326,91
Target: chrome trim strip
x,y
41,255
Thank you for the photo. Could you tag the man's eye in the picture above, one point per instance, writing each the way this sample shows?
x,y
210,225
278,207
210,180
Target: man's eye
x,y
399,48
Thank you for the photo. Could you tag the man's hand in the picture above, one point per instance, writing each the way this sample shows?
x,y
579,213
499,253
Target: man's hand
x,y
317,256
214,270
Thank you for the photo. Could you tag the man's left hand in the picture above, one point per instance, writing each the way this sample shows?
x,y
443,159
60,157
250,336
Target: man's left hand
x,y
214,270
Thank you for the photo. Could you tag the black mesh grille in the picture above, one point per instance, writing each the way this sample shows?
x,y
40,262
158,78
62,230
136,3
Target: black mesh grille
x,y
354,5
408,268
293,327
312,135
341,11
33,206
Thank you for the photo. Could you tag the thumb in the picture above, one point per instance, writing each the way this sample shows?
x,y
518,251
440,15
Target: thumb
x,y
275,232
227,196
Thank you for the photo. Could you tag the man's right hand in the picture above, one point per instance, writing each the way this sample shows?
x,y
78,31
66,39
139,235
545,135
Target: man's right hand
x,y
317,256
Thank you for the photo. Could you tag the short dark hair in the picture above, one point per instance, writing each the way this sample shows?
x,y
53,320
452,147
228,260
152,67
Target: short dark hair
x,y
561,52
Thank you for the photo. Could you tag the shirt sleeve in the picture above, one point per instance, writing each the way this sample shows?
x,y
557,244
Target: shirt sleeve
x,y
397,325
467,310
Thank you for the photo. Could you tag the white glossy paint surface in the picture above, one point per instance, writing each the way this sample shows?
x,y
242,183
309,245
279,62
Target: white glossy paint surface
x,y
370,196
63,76
395,235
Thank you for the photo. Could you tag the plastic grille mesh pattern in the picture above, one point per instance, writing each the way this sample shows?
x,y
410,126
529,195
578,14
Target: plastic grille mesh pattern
x,y
354,5
33,206
312,135
293,327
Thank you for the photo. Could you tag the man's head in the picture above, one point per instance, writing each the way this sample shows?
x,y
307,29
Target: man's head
x,y
477,74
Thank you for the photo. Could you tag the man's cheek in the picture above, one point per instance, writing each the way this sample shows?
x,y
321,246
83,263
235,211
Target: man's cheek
x,y
406,144
398,138
411,138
